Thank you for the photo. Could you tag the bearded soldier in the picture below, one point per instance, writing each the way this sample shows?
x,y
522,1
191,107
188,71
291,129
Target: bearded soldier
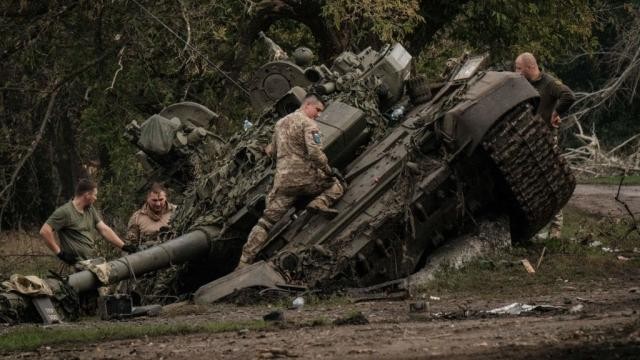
x,y
302,169
146,223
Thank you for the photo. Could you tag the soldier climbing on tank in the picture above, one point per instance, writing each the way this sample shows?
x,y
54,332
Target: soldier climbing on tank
x,y
302,169
555,101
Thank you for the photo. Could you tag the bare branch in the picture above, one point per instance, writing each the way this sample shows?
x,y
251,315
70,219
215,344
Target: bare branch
x,y
115,75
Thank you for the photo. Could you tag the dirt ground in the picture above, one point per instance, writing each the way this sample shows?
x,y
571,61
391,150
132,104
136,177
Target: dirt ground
x,y
593,320
601,199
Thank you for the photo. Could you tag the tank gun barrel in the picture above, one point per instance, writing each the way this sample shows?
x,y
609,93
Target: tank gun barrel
x,y
192,245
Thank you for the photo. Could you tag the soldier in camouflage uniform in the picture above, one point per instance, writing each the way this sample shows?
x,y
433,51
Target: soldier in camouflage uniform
x,y
143,230
145,223
555,101
302,168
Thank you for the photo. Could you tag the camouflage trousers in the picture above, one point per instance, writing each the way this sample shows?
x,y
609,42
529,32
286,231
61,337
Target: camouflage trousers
x,y
278,202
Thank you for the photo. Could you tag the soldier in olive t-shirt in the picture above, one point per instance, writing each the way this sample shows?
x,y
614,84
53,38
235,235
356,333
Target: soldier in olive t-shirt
x,y
77,223
76,231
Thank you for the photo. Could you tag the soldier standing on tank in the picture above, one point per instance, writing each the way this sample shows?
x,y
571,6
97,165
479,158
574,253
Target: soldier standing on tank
x,y
555,101
146,223
302,168
76,223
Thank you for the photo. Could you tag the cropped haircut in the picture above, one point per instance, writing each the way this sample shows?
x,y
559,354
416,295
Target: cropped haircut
x,y
85,186
157,188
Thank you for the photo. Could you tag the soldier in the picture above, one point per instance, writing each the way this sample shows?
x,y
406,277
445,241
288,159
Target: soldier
x,y
146,223
302,168
75,224
144,226
555,101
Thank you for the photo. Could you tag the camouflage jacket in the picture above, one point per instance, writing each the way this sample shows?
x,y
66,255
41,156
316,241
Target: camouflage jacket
x,y
144,225
297,145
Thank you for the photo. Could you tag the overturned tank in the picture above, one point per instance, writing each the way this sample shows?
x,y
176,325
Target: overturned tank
x,y
424,164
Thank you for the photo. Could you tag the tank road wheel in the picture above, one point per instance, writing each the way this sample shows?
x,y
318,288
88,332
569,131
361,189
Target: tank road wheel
x,y
536,176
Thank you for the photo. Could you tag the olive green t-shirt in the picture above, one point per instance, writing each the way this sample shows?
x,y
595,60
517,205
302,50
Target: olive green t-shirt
x,y
76,231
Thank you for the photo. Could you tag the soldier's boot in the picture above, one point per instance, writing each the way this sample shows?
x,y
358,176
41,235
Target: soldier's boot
x,y
319,205
256,239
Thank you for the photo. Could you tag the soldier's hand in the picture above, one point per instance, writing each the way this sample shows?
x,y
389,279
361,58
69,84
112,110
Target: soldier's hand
x,y
555,120
130,248
338,175
67,258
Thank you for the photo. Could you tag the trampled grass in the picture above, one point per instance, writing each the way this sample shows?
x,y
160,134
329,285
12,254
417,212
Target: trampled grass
x,y
571,259
32,337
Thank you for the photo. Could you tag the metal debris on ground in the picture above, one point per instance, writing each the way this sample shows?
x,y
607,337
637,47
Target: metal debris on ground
x,y
519,308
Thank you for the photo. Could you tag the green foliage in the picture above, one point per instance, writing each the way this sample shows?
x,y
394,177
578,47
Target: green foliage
x,y
389,20
506,28
127,66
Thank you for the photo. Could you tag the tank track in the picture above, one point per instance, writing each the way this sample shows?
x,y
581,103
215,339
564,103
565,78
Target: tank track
x,y
537,177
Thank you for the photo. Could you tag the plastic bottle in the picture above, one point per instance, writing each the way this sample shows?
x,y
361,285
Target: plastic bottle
x,y
247,124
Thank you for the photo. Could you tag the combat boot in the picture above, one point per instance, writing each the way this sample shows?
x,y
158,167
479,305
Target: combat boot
x,y
244,262
319,206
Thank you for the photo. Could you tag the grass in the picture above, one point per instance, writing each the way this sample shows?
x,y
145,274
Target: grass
x,y
29,338
569,258
609,180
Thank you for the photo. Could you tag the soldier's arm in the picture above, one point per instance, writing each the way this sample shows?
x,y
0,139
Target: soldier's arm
x,y
109,234
565,97
46,231
55,222
313,142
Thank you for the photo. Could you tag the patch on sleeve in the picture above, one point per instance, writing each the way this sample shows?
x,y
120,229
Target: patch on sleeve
x,y
316,137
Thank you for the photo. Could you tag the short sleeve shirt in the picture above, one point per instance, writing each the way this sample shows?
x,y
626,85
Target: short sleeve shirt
x,y
76,231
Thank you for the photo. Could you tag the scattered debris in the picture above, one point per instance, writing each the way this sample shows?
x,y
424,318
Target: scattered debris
x,y
419,307
576,309
544,249
595,243
277,315
623,258
298,302
273,353
527,266
354,319
436,298
518,308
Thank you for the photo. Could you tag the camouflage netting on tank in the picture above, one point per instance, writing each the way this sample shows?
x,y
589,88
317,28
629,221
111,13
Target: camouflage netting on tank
x,y
214,196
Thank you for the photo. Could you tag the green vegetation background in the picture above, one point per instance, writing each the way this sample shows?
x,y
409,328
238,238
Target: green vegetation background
x,y
110,62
